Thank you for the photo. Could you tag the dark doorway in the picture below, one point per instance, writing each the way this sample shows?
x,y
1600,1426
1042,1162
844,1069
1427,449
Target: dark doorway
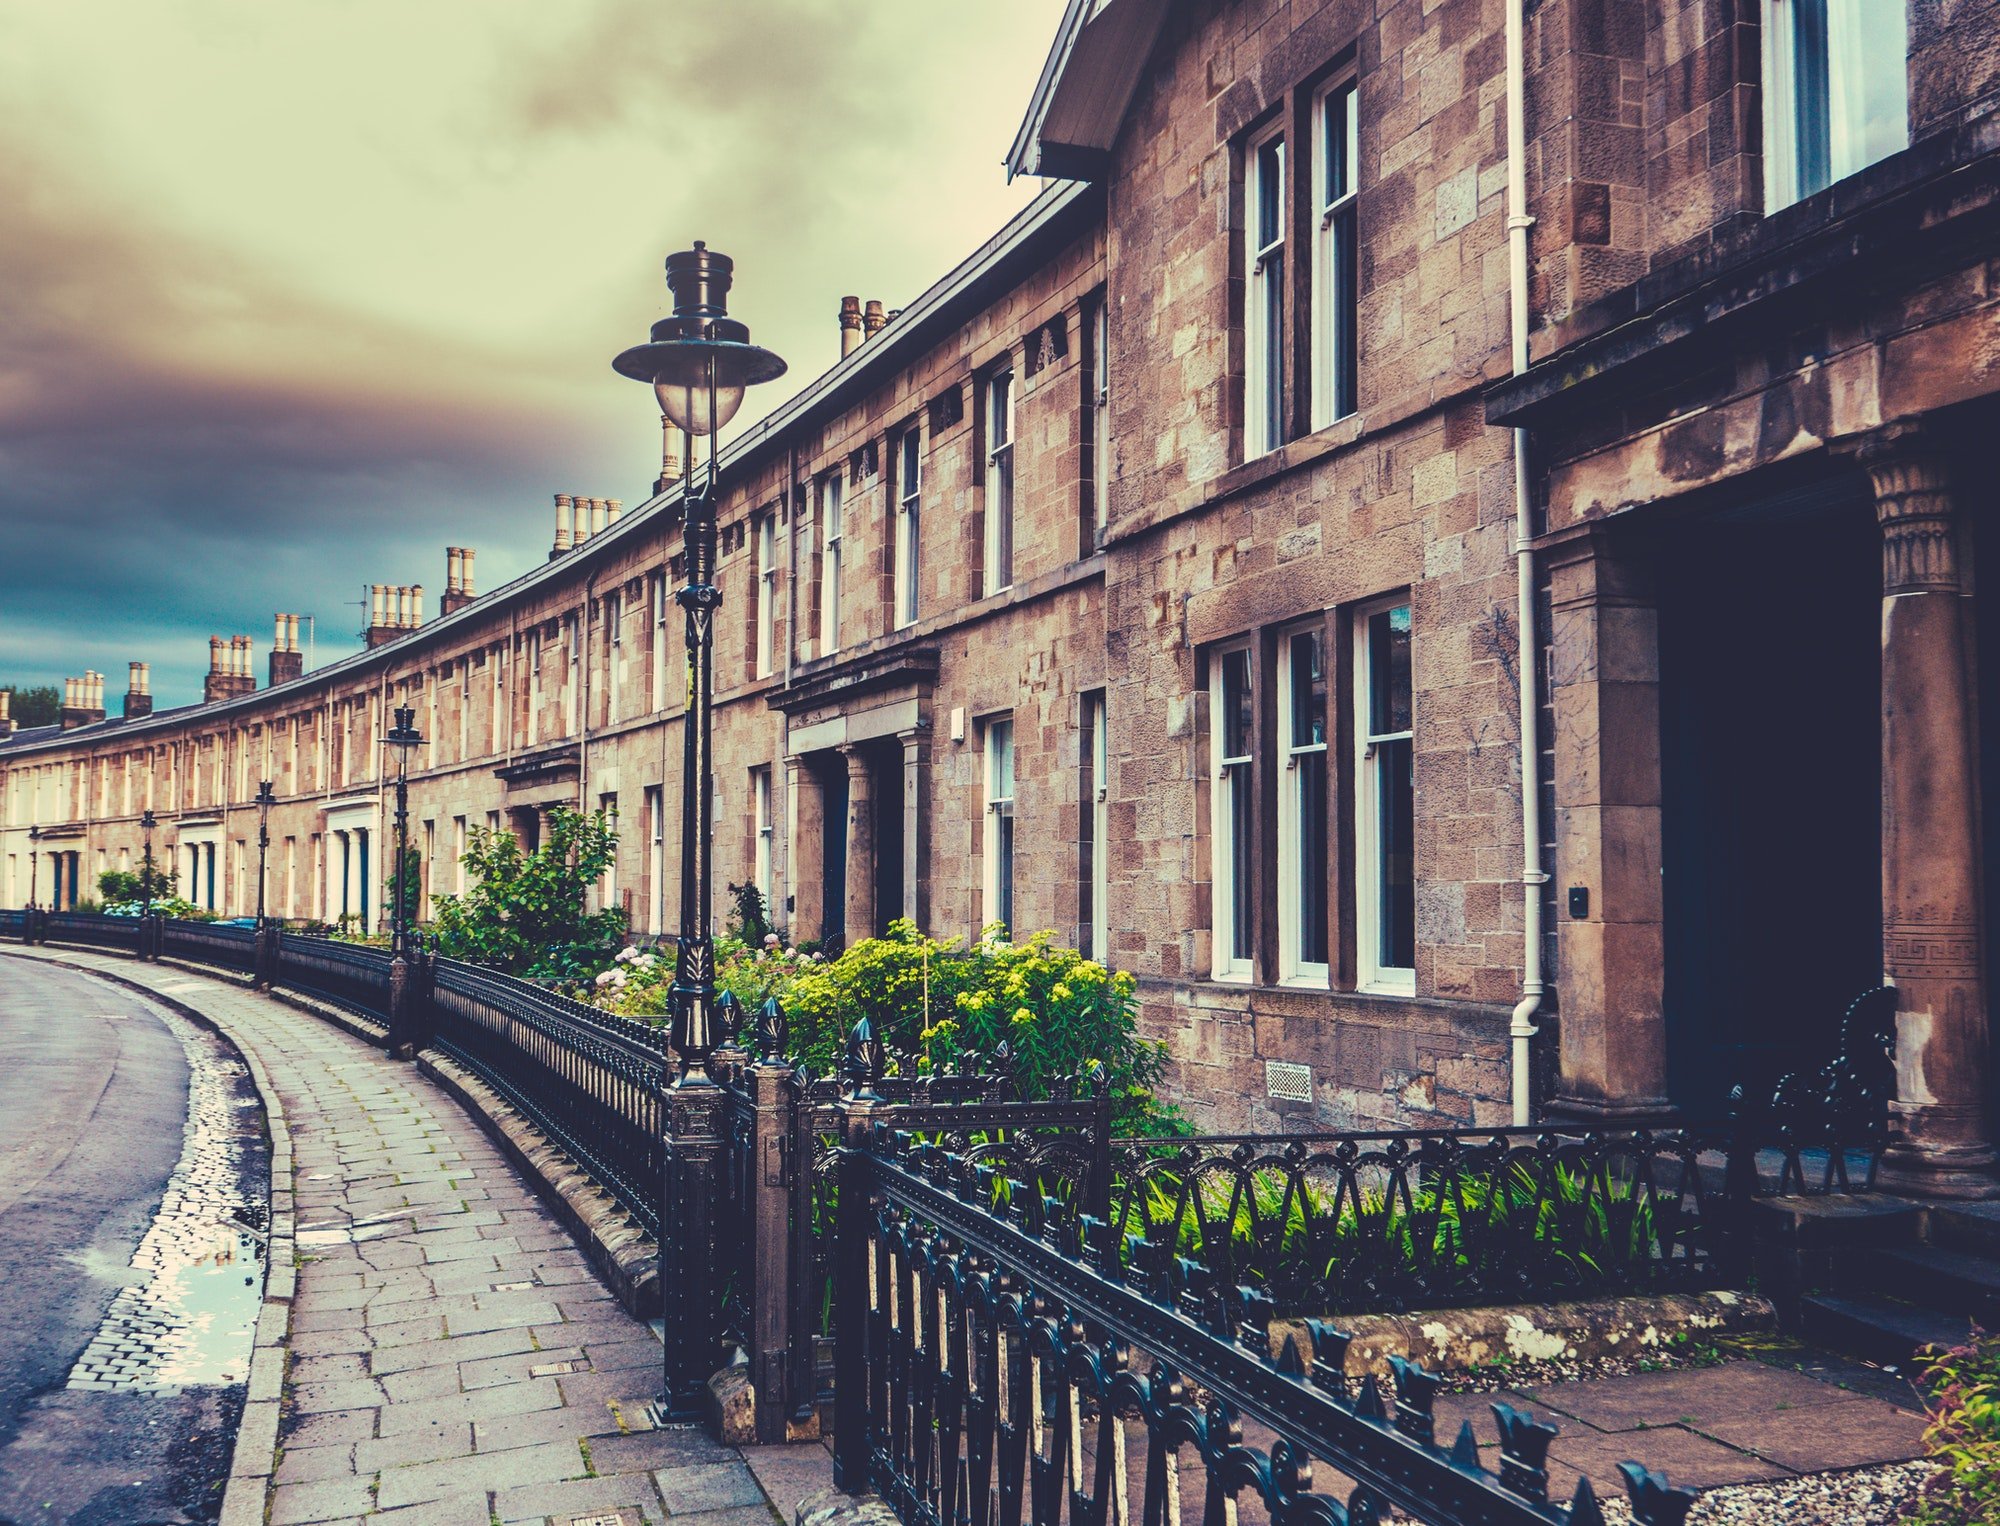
x,y
1770,718
885,781
831,771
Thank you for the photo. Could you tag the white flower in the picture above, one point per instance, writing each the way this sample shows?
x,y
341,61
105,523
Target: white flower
x,y
770,940
605,978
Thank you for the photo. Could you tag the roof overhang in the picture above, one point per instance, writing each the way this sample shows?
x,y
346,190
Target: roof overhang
x,y
1086,88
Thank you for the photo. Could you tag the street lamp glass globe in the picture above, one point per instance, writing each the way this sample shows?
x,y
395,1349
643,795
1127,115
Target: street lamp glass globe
x,y
684,400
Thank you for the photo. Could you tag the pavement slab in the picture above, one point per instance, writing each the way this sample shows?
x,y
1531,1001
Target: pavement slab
x,y
455,1359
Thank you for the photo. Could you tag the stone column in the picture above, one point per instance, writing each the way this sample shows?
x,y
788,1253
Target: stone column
x,y
1932,937
1605,686
860,847
916,826
803,852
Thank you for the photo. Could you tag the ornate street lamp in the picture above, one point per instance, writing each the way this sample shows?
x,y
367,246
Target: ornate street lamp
x,y
405,738
147,821
34,868
266,798
699,363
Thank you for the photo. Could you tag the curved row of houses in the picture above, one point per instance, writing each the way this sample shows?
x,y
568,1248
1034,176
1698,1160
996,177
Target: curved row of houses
x,y
1158,577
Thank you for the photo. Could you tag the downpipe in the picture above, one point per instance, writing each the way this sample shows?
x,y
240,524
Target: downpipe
x,y
1522,1028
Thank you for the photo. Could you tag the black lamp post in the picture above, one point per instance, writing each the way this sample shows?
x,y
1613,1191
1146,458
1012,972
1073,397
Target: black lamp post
x,y
699,363
266,798
34,868
405,738
147,821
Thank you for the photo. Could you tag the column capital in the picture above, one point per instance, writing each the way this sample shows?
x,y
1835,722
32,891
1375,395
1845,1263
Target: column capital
x,y
1914,507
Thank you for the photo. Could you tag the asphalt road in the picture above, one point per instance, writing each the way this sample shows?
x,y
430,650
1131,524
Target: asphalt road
x,y
94,1090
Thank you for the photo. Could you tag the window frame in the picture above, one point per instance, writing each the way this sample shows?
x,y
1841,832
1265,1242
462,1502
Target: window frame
x,y
1371,975
997,399
1232,859
1094,811
908,542
1336,285
767,592
997,840
614,624
1100,414
1844,47
764,831
832,538
1294,863
1265,273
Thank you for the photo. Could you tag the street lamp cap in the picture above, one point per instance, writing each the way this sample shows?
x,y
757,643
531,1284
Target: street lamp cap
x,y
700,280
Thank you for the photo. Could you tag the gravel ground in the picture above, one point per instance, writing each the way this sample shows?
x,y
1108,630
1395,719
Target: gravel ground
x,y
1864,1497
1541,1374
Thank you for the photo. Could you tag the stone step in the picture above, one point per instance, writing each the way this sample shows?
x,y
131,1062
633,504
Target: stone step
x,y
1965,1226
1947,1281
1875,1328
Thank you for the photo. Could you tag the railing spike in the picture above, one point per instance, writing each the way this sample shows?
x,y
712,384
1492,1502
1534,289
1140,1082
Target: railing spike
x,y
1583,1507
1465,1450
1329,1361
1369,1406
1416,1392
1524,1451
1655,1502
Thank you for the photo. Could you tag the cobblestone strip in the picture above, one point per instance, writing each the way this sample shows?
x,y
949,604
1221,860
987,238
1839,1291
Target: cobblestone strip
x,y
447,1356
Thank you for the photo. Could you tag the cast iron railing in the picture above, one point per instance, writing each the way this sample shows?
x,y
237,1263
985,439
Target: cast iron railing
x,y
588,1079
997,1364
92,930
217,943
351,976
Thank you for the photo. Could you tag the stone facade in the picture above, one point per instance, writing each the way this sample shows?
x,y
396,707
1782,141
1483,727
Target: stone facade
x,y
1708,387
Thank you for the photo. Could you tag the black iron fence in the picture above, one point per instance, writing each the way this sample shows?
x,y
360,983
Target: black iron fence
x,y
350,976
997,1366
216,943
121,933
591,1081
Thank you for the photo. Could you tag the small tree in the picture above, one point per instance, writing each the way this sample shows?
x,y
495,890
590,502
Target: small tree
x,y
525,912
412,878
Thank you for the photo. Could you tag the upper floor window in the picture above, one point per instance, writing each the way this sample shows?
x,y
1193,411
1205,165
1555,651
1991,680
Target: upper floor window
x,y
1100,413
830,515
760,821
614,643
767,590
656,594
999,481
1094,855
1836,93
1264,309
1385,799
1336,257
1232,803
909,522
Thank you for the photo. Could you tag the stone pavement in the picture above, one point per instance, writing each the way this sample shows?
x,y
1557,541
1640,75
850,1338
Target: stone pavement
x,y
453,1359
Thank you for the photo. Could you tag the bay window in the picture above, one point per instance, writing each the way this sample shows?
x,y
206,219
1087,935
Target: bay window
x,y
1232,803
1385,799
1302,806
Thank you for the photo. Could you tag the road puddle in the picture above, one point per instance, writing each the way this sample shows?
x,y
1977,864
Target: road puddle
x,y
187,1313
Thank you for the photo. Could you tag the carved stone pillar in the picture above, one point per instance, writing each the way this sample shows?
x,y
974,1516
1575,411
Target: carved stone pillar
x,y
916,826
804,851
1605,686
860,847
1933,947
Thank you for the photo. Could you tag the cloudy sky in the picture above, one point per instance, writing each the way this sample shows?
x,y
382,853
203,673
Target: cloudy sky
x,y
293,296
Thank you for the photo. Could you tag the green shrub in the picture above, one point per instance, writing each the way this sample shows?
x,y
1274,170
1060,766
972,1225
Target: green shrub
x,y
1964,1435
525,911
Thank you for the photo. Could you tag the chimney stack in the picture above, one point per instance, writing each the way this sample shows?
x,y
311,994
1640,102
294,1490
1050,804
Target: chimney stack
x,y
672,454
6,713
872,319
850,326
457,580
287,661
564,519
83,700
138,690
228,669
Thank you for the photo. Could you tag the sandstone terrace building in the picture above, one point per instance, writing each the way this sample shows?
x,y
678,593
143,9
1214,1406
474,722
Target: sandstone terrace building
x,y
1209,652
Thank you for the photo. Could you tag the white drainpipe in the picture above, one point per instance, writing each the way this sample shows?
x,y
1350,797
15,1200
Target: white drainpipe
x,y
1523,1028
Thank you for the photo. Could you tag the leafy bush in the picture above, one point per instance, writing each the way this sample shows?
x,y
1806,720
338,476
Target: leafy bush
x,y
525,911
1964,1435
171,906
115,885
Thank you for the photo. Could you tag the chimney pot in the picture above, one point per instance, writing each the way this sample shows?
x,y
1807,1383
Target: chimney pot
x,y
850,325
672,455
872,319
465,571
613,507
215,654
416,604
565,518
